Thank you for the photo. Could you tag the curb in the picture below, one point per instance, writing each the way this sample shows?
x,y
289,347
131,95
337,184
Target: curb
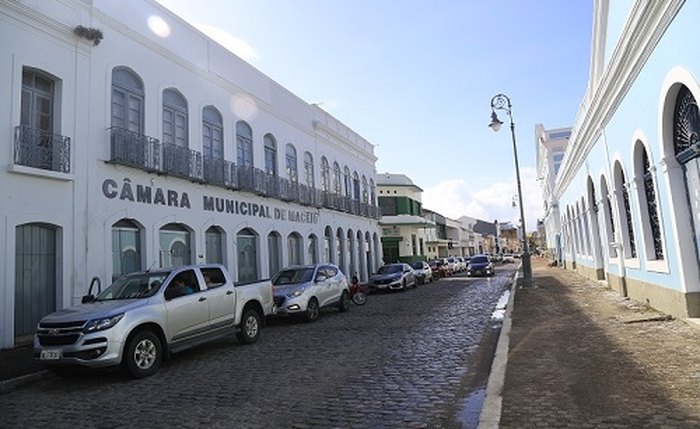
x,y
490,417
7,386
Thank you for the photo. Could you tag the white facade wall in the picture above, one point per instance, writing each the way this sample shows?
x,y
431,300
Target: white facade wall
x,y
83,204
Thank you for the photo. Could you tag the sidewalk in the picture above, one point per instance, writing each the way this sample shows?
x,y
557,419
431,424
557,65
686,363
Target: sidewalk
x,y
17,366
581,356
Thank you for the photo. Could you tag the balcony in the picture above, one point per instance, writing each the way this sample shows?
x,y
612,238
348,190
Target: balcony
x,y
182,162
218,171
147,153
40,149
134,149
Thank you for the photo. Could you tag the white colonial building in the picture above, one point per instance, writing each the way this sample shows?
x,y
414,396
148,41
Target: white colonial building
x,y
132,141
628,190
551,147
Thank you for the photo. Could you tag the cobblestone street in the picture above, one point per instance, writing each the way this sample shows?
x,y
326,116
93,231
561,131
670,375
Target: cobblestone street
x,y
401,361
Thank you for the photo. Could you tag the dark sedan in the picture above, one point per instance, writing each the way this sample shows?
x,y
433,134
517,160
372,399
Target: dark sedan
x,y
480,265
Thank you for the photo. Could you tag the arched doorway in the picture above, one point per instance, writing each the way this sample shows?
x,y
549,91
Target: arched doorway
x,y
247,255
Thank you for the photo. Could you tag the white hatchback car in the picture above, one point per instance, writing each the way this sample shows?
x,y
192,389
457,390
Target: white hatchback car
x,y
423,272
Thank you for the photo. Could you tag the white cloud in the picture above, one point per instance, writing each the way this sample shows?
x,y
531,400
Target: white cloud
x,y
455,198
234,44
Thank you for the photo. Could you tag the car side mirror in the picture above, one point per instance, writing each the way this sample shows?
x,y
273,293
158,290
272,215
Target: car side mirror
x,y
87,299
321,278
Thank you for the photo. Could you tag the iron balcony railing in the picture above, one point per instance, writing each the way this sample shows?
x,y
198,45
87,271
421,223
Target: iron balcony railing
x,y
182,162
134,149
218,171
41,149
147,153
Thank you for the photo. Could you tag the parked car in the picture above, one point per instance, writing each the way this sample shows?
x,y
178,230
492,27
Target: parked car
x,y
144,316
508,258
452,264
462,263
424,273
306,289
480,265
393,276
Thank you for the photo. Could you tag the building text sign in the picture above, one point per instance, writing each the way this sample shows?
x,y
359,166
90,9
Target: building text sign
x,y
147,194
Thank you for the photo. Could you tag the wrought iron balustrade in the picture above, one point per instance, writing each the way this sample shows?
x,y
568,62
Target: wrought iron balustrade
x,y
218,171
41,149
364,209
182,162
134,149
306,195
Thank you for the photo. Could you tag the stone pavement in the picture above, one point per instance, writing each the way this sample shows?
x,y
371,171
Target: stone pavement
x,y
581,356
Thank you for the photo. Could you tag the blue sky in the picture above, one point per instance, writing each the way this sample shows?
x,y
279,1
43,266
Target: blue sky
x,y
416,78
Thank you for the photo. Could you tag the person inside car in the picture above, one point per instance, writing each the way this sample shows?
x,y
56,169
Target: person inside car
x,y
179,288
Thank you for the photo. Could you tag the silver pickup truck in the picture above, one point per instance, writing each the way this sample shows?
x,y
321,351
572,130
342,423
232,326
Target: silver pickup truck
x,y
143,317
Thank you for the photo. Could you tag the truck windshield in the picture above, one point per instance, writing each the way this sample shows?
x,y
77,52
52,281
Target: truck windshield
x,y
293,276
133,286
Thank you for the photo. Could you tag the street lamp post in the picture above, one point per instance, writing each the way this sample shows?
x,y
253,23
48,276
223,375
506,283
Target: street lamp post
x,y
502,102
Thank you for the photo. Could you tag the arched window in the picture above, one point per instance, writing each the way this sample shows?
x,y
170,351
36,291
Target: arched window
x,y
686,148
648,208
127,100
337,183
212,133
327,243
348,182
247,245
175,119
291,157
586,229
126,248
270,155
274,252
244,144
312,252
308,170
340,250
213,145
214,243
175,248
372,193
294,249
355,186
325,175
365,190
623,203
608,216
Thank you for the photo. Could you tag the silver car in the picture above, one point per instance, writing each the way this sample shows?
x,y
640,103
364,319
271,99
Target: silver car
x,y
393,276
305,290
424,273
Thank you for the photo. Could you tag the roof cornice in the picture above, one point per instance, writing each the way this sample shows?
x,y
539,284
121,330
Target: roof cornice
x,y
648,21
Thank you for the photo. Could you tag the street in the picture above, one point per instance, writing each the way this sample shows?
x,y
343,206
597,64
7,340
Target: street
x,y
405,359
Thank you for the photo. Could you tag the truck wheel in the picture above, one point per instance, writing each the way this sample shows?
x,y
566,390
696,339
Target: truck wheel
x,y
344,303
312,310
250,327
142,355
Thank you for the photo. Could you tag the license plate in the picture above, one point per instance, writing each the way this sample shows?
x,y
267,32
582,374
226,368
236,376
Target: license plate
x,y
50,355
